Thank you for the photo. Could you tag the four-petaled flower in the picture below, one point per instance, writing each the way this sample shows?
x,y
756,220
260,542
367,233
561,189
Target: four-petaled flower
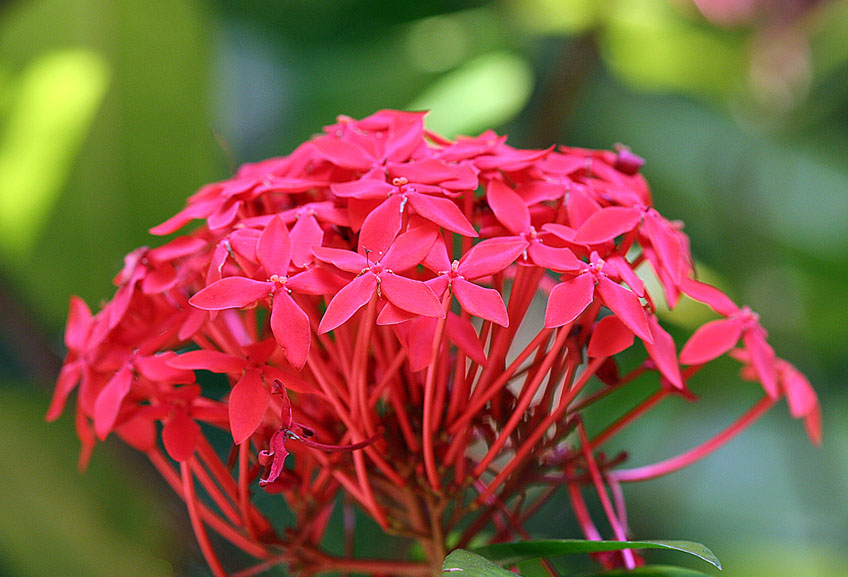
x,y
381,278
289,324
597,278
483,260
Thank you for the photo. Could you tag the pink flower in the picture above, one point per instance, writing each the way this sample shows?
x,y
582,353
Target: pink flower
x,y
380,277
358,319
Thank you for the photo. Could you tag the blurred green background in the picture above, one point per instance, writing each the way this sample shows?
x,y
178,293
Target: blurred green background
x,y
113,111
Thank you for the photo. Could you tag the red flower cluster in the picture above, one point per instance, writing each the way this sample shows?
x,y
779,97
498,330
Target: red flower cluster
x,y
366,300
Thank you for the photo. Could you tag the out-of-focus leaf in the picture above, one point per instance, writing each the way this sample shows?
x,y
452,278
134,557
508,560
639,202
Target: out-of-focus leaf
x,y
515,552
150,146
472,565
830,51
796,197
485,92
652,571
55,521
52,109
559,16
453,43
651,45
305,23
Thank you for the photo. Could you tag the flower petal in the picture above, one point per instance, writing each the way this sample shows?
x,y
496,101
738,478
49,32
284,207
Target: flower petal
x,y
626,306
800,396
159,279
108,403
274,248
247,405
139,433
158,368
417,336
79,324
437,260
553,258
763,359
610,337
305,234
666,243
381,227
664,353
433,171
316,280
626,273
405,135
580,207
813,425
180,436
232,292
225,215
443,212
291,329
490,257
608,223
481,302
462,333
509,208
208,360
411,295
66,382
347,301
537,191
411,248
346,260
342,153
177,248
709,295
711,341
363,188
392,315
568,299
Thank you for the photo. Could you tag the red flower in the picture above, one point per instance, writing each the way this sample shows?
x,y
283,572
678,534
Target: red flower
x,y
483,260
718,337
448,374
571,297
289,323
381,277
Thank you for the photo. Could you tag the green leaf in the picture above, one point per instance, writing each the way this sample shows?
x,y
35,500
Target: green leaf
x,y
509,553
472,565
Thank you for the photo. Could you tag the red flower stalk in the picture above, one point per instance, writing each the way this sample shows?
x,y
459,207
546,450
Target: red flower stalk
x,y
362,297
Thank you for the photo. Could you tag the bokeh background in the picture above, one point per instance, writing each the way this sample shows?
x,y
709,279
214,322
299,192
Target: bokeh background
x,y
113,111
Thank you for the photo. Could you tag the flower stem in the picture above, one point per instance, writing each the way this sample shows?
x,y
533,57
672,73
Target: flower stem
x,y
190,498
628,418
600,489
684,459
429,394
219,525
527,394
530,443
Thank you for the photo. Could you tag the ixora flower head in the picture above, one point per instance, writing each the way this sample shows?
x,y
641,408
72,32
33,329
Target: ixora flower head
x,y
365,299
